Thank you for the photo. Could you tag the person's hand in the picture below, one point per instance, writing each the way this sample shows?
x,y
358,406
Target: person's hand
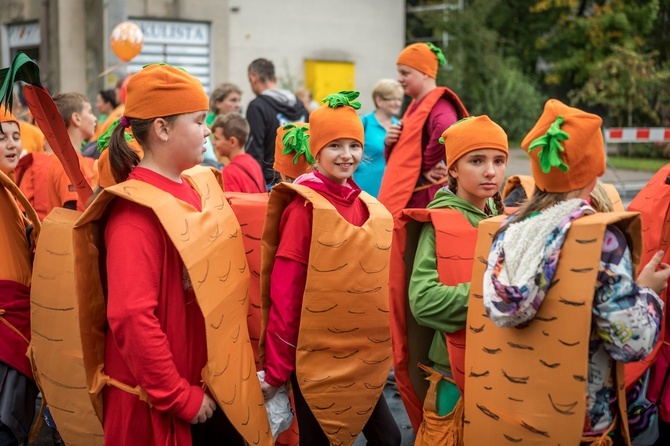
x,y
655,279
268,390
392,135
437,174
206,411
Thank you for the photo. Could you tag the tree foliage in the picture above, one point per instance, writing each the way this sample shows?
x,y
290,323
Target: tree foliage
x,y
505,57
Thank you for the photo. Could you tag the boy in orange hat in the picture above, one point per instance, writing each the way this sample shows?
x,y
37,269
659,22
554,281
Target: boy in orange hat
x,y
556,308
415,167
324,288
242,173
78,115
18,391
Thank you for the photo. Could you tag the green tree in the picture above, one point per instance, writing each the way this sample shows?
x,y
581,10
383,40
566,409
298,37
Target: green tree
x,y
488,82
585,33
625,83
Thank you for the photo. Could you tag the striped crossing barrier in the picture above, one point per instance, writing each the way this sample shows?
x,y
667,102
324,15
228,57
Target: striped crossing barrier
x,y
637,134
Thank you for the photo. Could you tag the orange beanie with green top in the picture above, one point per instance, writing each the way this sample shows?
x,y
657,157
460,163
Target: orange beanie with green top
x,y
160,90
292,155
337,119
422,56
566,148
470,134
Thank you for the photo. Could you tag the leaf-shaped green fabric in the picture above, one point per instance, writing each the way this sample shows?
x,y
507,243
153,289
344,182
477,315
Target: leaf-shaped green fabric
x,y
296,140
103,141
441,60
343,98
23,68
550,147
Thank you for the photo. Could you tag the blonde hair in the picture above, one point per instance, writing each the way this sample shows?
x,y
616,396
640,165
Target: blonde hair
x,y
386,88
600,200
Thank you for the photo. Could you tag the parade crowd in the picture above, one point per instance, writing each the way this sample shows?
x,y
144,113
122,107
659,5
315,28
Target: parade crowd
x,y
177,272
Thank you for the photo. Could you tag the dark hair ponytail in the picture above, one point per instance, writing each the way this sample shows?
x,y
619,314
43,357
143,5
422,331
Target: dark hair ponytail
x,y
500,207
122,159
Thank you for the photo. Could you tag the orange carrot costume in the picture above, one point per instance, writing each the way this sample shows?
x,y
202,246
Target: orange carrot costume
x,y
653,202
343,351
554,309
250,211
403,167
15,276
17,389
528,385
455,241
219,272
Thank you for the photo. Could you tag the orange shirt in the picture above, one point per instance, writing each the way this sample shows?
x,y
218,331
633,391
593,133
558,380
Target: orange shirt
x,y
32,138
61,190
32,175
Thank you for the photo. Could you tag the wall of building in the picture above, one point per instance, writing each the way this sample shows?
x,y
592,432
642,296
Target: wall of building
x,y
367,33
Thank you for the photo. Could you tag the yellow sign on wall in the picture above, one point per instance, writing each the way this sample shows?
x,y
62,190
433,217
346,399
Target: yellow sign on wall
x,y
325,77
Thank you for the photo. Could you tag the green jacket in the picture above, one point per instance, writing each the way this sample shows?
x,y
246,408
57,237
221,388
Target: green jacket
x,y
433,304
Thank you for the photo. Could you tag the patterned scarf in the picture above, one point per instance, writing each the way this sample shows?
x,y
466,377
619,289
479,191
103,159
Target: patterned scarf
x,y
523,260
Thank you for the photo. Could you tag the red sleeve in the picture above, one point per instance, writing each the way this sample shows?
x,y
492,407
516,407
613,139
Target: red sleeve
x,y
132,300
287,286
441,117
295,231
230,179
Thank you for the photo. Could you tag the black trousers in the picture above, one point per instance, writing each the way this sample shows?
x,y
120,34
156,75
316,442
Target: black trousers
x,y
217,430
380,430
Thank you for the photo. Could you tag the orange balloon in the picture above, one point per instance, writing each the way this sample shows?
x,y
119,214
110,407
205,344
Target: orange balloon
x,y
126,40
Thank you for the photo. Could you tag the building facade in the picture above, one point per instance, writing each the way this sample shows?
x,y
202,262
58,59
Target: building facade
x,y
324,45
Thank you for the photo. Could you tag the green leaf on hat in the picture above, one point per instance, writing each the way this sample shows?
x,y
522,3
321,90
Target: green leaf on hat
x,y
441,60
23,68
343,98
551,148
103,141
296,140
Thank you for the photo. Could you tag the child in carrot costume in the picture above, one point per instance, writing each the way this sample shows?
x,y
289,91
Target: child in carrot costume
x,y
18,391
555,311
476,152
324,289
176,314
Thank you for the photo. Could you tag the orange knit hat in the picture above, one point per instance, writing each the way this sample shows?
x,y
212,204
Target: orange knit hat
x,y
337,119
470,134
292,155
566,148
424,57
163,90
7,116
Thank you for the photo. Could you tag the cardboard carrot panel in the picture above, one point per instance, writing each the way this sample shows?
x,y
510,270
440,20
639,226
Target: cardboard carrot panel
x,y
219,271
528,384
343,353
